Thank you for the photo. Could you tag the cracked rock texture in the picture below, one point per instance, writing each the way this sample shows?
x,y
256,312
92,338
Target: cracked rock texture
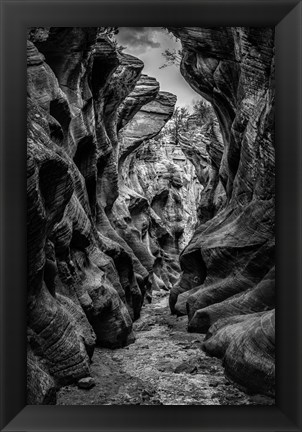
x,y
227,281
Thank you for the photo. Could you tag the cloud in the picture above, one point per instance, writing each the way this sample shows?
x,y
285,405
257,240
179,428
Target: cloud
x,y
139,39
148,44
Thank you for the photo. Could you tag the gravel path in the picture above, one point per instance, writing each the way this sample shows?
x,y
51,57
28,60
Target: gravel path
x,y
165,366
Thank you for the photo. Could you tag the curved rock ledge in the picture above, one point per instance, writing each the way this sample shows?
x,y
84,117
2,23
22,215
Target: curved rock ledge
x,y
88,275
226,268
112,203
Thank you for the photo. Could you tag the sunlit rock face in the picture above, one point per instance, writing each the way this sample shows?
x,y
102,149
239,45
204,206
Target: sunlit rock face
x,y
146,124
132,214
161,172
227,278
87,278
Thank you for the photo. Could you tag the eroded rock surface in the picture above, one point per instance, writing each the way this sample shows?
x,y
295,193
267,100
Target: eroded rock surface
x,y
203,146
88,273
161,172
165,366
227,281
110,206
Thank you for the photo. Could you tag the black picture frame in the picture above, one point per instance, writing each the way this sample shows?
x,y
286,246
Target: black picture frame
x,y
16,16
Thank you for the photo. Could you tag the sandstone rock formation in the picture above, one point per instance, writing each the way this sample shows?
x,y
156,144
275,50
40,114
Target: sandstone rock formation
x,y
88,267
166,177
227,277
111,203
203,146
165,193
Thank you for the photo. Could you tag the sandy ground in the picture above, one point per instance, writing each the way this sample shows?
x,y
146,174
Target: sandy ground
x,y
165,366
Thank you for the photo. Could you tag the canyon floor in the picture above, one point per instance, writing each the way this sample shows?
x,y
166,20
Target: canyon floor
x,y
165,366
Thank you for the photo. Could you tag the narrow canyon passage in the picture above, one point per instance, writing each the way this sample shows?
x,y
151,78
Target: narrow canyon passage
x,y
164,366
151,223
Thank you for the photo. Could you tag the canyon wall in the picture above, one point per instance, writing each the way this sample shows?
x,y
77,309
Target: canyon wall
x,y
227,282
203,146
93,257
162,173
111,203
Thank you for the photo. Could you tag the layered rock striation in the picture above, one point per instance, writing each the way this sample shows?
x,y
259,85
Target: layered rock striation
x,y
162,173
88,266
111,205
203,146
227,281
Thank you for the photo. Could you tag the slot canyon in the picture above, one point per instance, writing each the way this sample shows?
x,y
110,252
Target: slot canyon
x,y
150,228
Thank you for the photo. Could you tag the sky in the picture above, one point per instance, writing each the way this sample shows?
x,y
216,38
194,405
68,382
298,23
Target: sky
x,y
148,44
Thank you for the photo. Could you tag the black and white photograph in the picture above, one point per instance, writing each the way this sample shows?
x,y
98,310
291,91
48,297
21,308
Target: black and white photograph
x,y
151,216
